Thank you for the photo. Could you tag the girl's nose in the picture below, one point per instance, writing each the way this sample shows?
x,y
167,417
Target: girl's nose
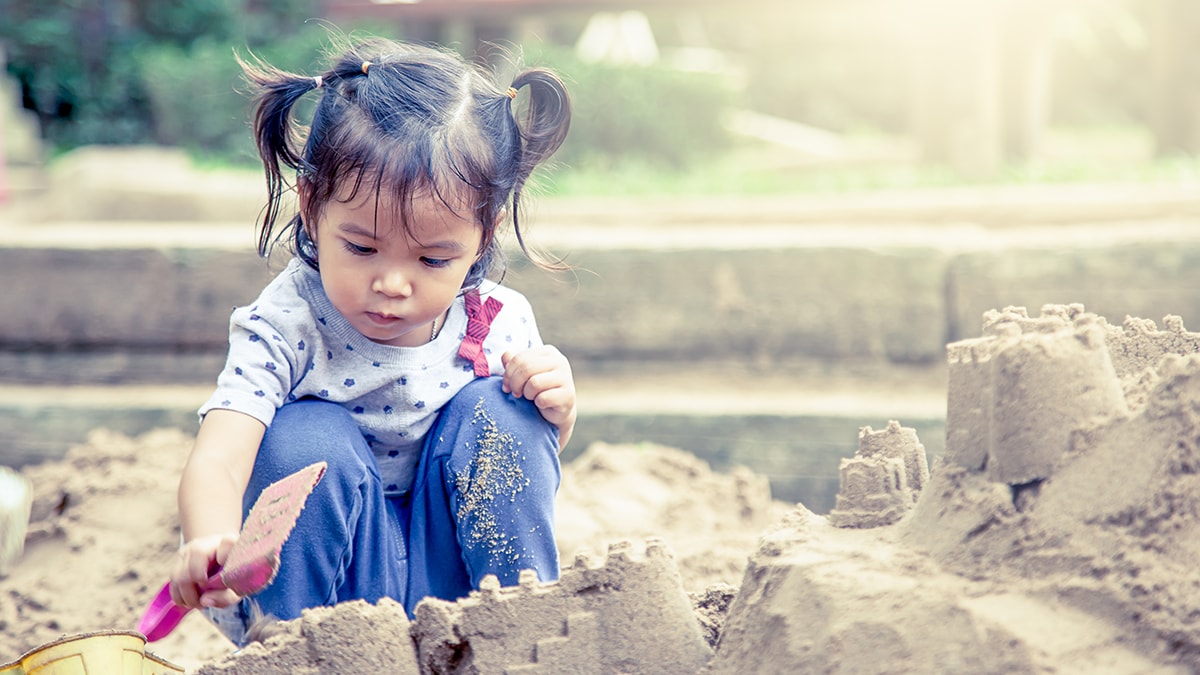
x,y
392,283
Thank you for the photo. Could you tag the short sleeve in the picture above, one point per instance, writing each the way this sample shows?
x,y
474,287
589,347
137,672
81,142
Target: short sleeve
x,y
257,377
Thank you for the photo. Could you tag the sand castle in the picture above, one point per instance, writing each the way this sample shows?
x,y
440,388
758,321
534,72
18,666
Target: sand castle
x,y
628,614
883,480
1057,533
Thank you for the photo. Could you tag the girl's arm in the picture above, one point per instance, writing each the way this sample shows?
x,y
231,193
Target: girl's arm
x,y
210,503
543,375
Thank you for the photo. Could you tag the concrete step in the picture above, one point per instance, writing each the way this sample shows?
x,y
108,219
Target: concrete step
x,y
758,293
793,427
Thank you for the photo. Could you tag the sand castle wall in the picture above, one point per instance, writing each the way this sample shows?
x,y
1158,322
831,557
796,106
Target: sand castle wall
x,y
628,614
625,614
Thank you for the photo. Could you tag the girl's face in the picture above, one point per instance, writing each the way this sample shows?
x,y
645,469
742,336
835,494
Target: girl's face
x,y
388,284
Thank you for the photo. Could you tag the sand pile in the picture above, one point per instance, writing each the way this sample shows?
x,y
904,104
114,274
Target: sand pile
x,y
103,534
1057,534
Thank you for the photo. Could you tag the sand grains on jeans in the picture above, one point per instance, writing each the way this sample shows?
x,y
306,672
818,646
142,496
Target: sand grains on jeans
x,y
494,474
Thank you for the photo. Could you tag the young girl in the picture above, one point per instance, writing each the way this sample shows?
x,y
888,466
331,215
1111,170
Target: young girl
x,y
383,350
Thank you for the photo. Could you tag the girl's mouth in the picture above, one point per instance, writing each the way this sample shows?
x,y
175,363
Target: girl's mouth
x,y
383,319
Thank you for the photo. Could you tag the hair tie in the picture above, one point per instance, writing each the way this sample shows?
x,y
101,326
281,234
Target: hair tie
x,y
366,65
511,93
318,82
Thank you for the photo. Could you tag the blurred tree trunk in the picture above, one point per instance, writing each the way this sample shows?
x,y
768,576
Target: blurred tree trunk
x,y
980,90
954,84
1028,66
1172,26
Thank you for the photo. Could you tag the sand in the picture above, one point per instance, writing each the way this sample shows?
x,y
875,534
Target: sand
x,y
1057,534
104,530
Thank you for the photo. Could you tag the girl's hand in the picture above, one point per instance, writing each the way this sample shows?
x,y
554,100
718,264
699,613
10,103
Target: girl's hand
x,y
543,375
198,560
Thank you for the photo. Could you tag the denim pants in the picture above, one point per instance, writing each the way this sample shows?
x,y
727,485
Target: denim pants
x,y
482,503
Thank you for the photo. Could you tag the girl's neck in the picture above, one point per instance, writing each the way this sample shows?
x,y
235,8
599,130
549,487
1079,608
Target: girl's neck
x,y
439,322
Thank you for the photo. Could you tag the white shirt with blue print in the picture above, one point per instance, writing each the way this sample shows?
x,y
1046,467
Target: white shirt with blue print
x,y
291,343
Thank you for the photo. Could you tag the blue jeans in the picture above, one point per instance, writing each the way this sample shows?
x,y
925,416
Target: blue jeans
x,y
482,503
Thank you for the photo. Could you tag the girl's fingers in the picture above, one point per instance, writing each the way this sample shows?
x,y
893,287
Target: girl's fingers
x,y
530,372
180,595
547,390
218,598
184,592
189,579
555,406
542,375
516,375
223,550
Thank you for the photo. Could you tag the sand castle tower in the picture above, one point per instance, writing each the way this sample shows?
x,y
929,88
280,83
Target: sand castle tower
x,y
1016,395
883,479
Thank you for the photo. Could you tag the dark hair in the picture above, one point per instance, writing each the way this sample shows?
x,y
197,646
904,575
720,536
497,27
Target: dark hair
x,y
412,120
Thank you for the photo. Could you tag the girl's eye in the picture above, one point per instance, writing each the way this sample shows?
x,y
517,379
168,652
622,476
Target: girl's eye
x,y
435,262
359,250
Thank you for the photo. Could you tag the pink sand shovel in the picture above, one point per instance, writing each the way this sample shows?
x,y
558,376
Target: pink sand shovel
x,y
254,559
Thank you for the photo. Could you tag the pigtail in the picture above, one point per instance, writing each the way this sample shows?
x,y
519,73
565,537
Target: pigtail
x,y
547,118
277,136
545,125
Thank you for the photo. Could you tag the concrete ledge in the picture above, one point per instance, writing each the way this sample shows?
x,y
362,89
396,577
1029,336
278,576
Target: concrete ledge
x,y
756,294
1142,278
756,302
39,424
83,299
755,305
799,453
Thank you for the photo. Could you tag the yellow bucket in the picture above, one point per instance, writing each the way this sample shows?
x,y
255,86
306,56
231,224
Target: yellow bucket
x,y
119,652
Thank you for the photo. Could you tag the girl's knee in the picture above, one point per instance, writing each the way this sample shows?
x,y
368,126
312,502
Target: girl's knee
x,y
483,425
308,431
309,416
484,398
486,389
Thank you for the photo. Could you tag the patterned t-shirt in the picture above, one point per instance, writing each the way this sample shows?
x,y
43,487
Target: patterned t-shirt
x,y
291,343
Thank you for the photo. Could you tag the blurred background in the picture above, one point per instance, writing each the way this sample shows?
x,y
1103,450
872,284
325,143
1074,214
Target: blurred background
x,y
778,212
673,95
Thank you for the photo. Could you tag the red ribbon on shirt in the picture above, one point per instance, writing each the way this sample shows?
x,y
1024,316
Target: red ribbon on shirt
x,y
479,323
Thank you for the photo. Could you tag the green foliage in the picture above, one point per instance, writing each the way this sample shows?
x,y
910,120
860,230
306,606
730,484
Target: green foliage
x,y
163,71
182,22
195,92
642,114
193,99
101,71
61,52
